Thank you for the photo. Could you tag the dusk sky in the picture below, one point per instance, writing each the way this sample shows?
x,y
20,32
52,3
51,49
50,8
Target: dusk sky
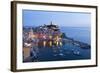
x,y
68,19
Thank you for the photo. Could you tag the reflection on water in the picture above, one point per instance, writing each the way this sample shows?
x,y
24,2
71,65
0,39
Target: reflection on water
x,y
57,53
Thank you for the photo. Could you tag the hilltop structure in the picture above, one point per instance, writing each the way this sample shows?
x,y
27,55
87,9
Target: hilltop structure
x,y
46,35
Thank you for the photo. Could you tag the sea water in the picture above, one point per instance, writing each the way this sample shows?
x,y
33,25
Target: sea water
x,y
82,34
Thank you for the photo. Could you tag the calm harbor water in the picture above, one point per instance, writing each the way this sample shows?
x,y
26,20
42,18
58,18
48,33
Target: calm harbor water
x,y
67,51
